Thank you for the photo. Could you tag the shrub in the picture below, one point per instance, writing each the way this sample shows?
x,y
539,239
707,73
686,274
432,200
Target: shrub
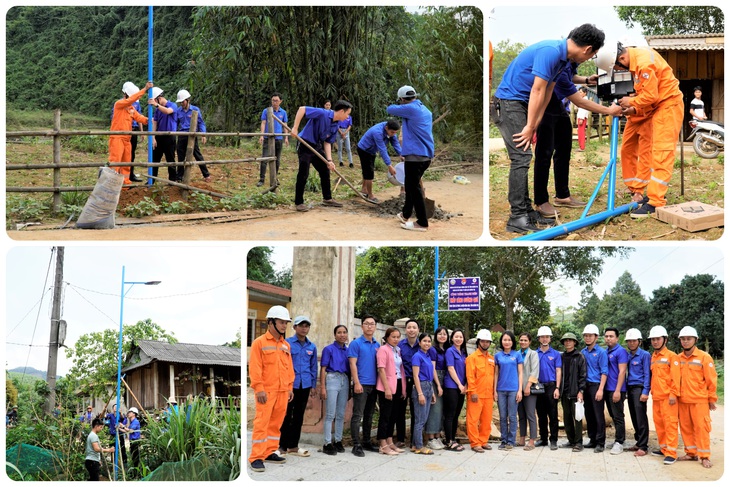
x,y
146,207
202,202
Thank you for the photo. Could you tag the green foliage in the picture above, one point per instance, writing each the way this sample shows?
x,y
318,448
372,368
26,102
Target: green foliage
x,y
11,393
74,198
673,20
176,207
258,264
267,200
25,209
144,207
93,144
202,202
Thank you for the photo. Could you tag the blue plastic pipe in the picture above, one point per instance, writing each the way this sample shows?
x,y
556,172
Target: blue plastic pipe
x,y
150,38
436,290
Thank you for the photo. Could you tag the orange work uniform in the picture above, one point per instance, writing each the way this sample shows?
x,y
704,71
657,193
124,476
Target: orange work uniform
x,y
697,389
665,386
480,381
120,146
636,153
657,97
270,370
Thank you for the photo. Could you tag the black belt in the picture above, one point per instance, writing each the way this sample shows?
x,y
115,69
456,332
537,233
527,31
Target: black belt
x,y
549,383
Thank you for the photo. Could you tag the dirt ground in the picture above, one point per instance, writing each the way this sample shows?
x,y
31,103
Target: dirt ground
x,y
703,181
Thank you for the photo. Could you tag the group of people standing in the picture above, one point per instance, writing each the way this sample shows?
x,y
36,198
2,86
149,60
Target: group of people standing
x,y
119,427
435,376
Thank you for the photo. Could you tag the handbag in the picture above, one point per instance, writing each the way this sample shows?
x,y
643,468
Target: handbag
x,y
537,388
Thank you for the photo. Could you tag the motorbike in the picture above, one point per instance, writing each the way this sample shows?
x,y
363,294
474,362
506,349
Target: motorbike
x,y
709,138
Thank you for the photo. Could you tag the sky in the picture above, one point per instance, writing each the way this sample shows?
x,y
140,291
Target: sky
x,y
200,297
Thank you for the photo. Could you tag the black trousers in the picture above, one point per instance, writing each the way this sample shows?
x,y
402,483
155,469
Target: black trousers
x,y
554,141
400,425
573,428
291,429
134,450
595,420
639,418
307,157
363,407
547,414
616,411
265,153
453,403
182,148
93,467
388,411
166,147
414,193
133,141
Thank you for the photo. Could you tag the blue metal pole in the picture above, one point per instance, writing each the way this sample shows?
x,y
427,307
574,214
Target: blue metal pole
x,y
436,291
119,374
614,159
566,228
149,78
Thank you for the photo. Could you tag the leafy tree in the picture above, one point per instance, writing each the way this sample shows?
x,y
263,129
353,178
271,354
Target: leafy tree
x,y
587,308
258,264
282,278
624,307
236,343
504,53
11,392
667,20
95,354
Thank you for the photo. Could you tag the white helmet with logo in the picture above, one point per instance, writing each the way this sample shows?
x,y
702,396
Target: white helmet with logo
x,y
182,95
544,331
658,332
278,312
633,334
156,92
591,329
129,88
688,331
484,335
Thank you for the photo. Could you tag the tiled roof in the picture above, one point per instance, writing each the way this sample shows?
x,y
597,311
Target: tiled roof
x,y
186,353
268,288
688,42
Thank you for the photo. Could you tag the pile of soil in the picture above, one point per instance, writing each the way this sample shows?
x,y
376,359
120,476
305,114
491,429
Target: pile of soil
x,y
393,206
158,192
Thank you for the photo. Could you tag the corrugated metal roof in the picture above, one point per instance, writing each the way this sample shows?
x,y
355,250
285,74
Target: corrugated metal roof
x,y
187,353
688,42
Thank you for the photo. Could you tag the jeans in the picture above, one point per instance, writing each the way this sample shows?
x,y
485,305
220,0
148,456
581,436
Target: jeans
x,y
554,141
637,410
338,385
363,407
346,140
507,404
421,411
616,411
527,415
291,429
265,153
436,413
512,120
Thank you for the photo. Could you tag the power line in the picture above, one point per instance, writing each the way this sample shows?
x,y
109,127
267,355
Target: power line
x,y
29,311
157,297
35,326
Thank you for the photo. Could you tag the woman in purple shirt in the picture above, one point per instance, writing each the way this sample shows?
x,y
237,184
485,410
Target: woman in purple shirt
x,y
423,393
334,379
454,387
436,414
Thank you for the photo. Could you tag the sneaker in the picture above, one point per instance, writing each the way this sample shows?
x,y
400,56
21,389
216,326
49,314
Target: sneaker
x,y
339,447
599,449
258,466
329,449
357,451
547,210
434,444
669,460
567,444
441,443
639,198
541,443
643,212
657,453
508,447
617,448
274,458
341,164
590,444
260,183
502,446
553,445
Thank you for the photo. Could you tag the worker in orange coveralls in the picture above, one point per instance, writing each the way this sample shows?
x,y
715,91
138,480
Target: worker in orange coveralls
x,y
636,156
120,146
697,397
658,97
480,393
664,392
271,372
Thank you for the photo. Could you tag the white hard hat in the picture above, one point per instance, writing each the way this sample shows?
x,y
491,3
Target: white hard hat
x,y
633,334
607,55
156,92
484,335
279,312
591,329
134,410
658,332
544,331
407,92
688,331
129,88
182,95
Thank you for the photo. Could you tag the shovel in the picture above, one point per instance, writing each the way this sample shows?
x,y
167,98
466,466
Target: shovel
x,y
397,180
304,142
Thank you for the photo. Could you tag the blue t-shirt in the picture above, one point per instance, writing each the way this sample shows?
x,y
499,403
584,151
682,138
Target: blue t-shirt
x,y
438,356
320,127
545,59
375,142
417,124
166,122
304,359
596,363
344,124
182,118
364,351
334,358
457,360
424,364
136,433
407,352
508,379
549,362
616,355
281,113
640,370
564,86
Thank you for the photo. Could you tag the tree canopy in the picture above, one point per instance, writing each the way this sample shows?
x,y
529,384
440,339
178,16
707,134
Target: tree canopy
x,y
666,20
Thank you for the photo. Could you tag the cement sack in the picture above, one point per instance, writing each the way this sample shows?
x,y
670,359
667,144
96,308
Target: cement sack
x,y
98,212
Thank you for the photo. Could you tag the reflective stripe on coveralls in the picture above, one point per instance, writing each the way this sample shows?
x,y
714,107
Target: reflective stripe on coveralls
x,y
698,388
120,146
636,153
665,382
480,381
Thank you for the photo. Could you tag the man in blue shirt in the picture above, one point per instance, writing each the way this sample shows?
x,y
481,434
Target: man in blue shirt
x,y
304,359
418,150
131,425
596,374
520,102
639,386
618,359
320,133
183,114
163,120
551,374
371,144
280,113
361,354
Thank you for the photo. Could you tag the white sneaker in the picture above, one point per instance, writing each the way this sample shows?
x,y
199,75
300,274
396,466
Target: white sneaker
x,y
617,448
434,444
441,443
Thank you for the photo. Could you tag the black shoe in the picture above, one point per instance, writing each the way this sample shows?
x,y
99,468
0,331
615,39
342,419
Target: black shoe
x,y
646,210
598,449
352,165
339,447
134,178
541,443
258,466
553,445
590,444
357,451
578,447
366,445
274,458
329,449
260,183
521,224
669,460
567,444
342,164
657,453
537,219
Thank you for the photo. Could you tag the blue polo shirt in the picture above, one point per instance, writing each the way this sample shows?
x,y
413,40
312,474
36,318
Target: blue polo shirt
x,y
640,370
508,378
344,124
136,433
281,113
550,361
407,352
364,351
417,123
424,364
375,141
545,59
438,356
182,118
596,363
564,86
457,360
166,122
616,355
320,127
304,359
334,358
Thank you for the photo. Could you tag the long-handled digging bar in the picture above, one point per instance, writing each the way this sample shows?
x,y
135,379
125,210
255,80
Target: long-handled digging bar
x,y
343,178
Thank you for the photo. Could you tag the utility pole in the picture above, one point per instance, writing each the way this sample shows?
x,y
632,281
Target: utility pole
x,y
55,322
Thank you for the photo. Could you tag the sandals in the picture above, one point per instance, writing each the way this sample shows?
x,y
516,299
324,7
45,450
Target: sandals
x,y
487,446
402,218
705,462
529,447
412,226
424,451
455,447
208,179
385,450
687,458
394,448
477,449
301,452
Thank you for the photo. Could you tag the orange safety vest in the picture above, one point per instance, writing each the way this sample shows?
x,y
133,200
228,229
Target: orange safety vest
x,y
270,366
654,80
480,374
698,378
664,374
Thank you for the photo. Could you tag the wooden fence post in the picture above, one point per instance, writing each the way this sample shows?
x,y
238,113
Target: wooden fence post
x,y
271,148
189,154
57,160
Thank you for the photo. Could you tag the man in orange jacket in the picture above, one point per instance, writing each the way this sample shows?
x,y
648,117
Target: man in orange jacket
x,y
271,372
480,393
697,397
664,393
657,97
120,146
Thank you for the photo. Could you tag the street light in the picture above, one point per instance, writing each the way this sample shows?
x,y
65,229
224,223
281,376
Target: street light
x,y
119,361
